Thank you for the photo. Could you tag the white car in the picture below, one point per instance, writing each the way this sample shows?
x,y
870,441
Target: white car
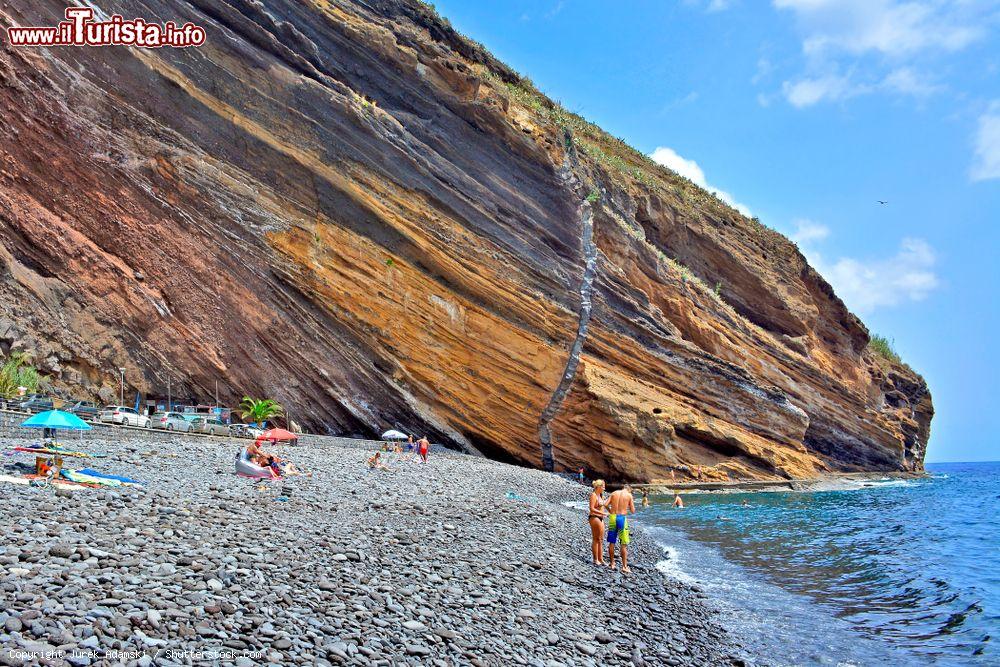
x,y
171,421
123,416
209,426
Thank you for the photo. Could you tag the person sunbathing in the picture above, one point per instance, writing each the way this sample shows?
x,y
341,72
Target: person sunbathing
x,y
260,457
288,469
280,466
376,463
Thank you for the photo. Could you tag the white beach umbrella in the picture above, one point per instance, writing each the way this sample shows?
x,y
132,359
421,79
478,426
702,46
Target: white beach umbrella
x,y
394,435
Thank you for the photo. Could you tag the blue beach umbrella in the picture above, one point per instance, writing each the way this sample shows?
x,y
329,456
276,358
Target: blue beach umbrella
x,y
56,419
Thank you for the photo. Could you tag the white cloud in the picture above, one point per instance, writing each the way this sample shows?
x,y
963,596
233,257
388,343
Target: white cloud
x,y
712,5
907,81
857,47
690,98
693,172
986,164
871,283
807,231
556,9
806,92
888,27
836,88
764,69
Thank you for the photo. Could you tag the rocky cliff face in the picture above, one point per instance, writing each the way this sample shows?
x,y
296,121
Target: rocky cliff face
x,y
353,209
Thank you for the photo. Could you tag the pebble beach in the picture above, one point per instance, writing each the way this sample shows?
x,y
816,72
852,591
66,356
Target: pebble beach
x,y
460,561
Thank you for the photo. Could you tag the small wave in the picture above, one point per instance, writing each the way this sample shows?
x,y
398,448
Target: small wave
x,y
670,567
883,483
854,485
834,485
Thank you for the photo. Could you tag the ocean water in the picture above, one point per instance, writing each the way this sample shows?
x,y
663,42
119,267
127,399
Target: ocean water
x,y
887,572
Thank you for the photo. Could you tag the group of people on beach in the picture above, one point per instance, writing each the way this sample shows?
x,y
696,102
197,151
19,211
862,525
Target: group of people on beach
x,y
615,509
419,448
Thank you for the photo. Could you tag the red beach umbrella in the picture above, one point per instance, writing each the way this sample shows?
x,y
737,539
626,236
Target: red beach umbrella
x,y
275,435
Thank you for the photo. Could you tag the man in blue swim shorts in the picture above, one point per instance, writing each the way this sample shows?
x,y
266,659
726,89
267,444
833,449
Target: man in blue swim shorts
x,y
620,504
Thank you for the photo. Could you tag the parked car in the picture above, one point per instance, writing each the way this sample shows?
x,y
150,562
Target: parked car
x,y
84,409
209,425
171,421
123,416
239,430
35,403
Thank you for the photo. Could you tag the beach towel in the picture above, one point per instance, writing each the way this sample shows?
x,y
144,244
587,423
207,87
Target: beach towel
x,y
75,476
125,480
30,479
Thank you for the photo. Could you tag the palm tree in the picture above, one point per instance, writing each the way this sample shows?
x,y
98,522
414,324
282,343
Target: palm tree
x,y
260,409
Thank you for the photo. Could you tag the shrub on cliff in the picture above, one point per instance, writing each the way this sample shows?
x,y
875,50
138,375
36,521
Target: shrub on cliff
x,y
16,373
882,347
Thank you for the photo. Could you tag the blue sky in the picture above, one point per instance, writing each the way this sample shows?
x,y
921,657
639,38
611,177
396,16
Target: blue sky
x,y
805,113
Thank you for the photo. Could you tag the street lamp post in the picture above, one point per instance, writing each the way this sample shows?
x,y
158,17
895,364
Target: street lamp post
x,y
122,372
169,402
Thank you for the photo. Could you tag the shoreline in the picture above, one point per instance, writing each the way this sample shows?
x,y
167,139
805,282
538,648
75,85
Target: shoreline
x,y
832,481
421,564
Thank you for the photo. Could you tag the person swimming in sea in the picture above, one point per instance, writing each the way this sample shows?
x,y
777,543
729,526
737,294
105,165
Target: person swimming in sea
x,y
678,503
645,497
598,511
620,505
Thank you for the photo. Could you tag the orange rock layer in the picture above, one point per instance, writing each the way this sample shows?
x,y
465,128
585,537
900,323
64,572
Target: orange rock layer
x,y
353,209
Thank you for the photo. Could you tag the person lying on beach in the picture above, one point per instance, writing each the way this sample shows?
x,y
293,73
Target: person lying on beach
x,y
259,456
620,504
678,503
288,469
376,463
596,520
281,467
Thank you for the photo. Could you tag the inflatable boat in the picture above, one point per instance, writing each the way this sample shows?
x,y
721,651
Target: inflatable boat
x,y
247,468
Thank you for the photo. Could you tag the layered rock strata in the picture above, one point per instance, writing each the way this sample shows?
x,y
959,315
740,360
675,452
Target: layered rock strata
x,y
352,208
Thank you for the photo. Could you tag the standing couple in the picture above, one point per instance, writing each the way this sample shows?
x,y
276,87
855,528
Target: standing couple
x,y
421,447
615,508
